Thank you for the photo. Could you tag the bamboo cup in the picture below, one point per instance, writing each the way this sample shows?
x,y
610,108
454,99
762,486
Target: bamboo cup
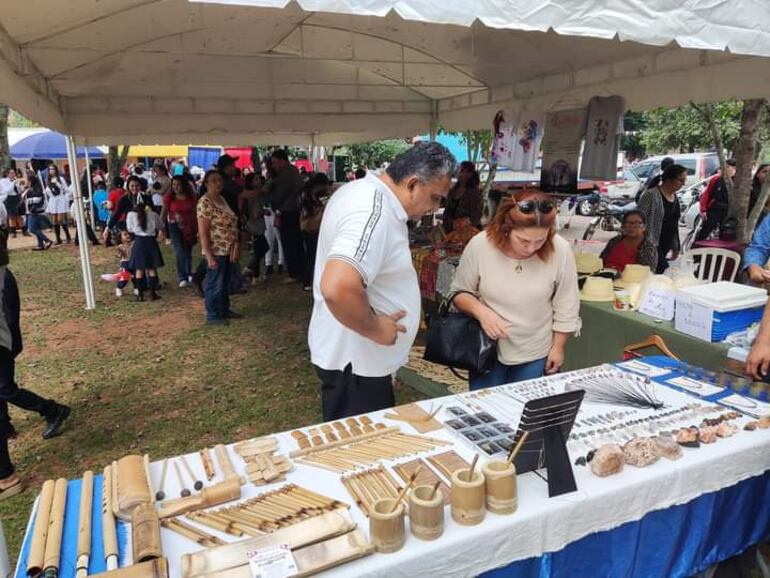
x,y
500,486
467,497
426,513
386,528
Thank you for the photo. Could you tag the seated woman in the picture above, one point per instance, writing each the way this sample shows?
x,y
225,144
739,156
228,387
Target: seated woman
x,y
519,279
631,247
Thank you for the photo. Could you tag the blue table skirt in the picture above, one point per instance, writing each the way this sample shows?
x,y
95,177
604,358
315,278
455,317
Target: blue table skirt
x,y
675,542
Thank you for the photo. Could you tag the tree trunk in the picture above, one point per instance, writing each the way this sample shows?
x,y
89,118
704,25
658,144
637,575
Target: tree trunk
x,y
5,150
744,159
116,160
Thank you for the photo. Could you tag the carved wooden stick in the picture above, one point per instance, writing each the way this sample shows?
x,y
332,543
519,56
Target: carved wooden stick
x,y
84,524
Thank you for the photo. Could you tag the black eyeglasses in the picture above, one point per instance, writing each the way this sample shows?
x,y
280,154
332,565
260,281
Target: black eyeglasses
x,y
529,206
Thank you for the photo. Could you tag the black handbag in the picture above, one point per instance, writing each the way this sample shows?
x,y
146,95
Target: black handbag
x,y
458,341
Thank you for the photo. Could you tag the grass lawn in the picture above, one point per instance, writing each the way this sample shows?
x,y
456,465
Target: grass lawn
x,y
150,377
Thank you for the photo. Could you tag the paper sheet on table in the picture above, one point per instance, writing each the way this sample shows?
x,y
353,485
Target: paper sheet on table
x,y
644,368
747,405
695,386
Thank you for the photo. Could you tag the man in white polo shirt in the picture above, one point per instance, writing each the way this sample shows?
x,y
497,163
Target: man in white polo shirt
x,y
367,299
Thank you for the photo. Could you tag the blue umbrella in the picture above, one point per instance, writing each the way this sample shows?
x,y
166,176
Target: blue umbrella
x,y
49,145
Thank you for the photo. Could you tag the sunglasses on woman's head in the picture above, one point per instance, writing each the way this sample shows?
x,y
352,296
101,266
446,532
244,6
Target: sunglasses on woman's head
x,y
529,206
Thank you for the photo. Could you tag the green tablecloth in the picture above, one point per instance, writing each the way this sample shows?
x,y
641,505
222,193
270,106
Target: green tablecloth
x,y
606,332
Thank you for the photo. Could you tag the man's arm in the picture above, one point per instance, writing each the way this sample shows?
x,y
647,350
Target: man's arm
x,y
345,295
758,361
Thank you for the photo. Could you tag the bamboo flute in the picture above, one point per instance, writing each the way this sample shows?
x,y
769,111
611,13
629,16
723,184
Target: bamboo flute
x,y
52,555
108,522
40,532
84,524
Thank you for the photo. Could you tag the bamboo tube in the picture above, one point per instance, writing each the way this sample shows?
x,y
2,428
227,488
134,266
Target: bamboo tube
x,y
208,466
152,569
219,493
234,524
146,463
160,495
84,524
299,453
40,532
145,533
110,536
55,525
192,533
215,523
225,464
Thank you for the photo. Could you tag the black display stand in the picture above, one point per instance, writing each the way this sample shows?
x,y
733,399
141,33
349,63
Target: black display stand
x,y
549,421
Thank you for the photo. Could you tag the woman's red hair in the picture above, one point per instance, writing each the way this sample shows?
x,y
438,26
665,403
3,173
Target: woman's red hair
x,y
509,218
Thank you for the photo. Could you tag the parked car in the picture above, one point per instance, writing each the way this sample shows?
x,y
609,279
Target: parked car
x,y
624,189
699,166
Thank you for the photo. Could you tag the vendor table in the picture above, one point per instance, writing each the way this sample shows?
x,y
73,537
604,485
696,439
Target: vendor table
x,y
668,519
606,332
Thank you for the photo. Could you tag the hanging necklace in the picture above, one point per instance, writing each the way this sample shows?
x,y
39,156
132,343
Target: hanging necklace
x,y
518,268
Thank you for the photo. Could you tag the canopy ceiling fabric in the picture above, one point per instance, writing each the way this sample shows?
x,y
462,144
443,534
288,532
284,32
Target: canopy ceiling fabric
x,y
330,71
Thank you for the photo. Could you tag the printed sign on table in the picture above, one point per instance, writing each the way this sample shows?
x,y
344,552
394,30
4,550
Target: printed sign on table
x,y
659,303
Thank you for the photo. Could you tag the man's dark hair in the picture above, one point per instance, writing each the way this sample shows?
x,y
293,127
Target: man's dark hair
x,y
118,182
666,162
672,172
427,161
280,154
360,173
731,163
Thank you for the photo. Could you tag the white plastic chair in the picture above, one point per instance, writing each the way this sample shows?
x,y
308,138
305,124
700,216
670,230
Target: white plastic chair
x,y
714,264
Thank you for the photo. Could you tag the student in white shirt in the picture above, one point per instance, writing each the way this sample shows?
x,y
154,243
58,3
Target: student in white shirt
x,y
366,296
145,225
58,199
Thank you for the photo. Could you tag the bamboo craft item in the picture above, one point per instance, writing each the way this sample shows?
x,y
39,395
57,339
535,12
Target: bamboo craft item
x,y
130,486
270,511
263,466
448,463
366,450
426,512
468,496
386,526
208,465
197,484
84,524
426,477
145,533
368,486
301,534
109,532
500,476
52,554
40,533
160,495
313,559
219,493
192,533
334,432
415,416
153,569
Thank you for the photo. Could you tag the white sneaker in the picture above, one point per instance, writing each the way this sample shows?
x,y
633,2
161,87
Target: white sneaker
x,y
118,292
190,279
183,283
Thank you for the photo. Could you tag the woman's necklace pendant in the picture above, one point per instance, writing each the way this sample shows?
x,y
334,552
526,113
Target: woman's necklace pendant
x,y
519,268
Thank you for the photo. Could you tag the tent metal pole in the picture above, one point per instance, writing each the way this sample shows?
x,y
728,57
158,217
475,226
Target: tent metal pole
x,y
90,188
85,257
433,119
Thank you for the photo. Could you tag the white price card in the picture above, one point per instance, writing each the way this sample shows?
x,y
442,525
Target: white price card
x,y
695,386
272,562
644,368
694,319
658,303
747,405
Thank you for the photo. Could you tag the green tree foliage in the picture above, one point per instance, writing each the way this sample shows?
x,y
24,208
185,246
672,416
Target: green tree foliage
x,y
682,129
374,154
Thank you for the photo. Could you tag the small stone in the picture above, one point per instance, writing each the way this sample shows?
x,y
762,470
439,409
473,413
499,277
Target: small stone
x,y
688,437
708,435
726,429
581,461
641,452
668,447
763,422
590,455
607,460
750,426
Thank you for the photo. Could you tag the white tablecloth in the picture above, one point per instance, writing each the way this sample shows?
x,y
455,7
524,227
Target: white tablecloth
x,y
541,524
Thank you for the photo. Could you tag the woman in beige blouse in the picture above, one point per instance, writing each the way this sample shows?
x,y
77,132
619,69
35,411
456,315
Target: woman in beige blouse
x,y
519,279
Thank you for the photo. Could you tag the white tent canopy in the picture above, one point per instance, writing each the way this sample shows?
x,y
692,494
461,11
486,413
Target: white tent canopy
x,y
331,71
